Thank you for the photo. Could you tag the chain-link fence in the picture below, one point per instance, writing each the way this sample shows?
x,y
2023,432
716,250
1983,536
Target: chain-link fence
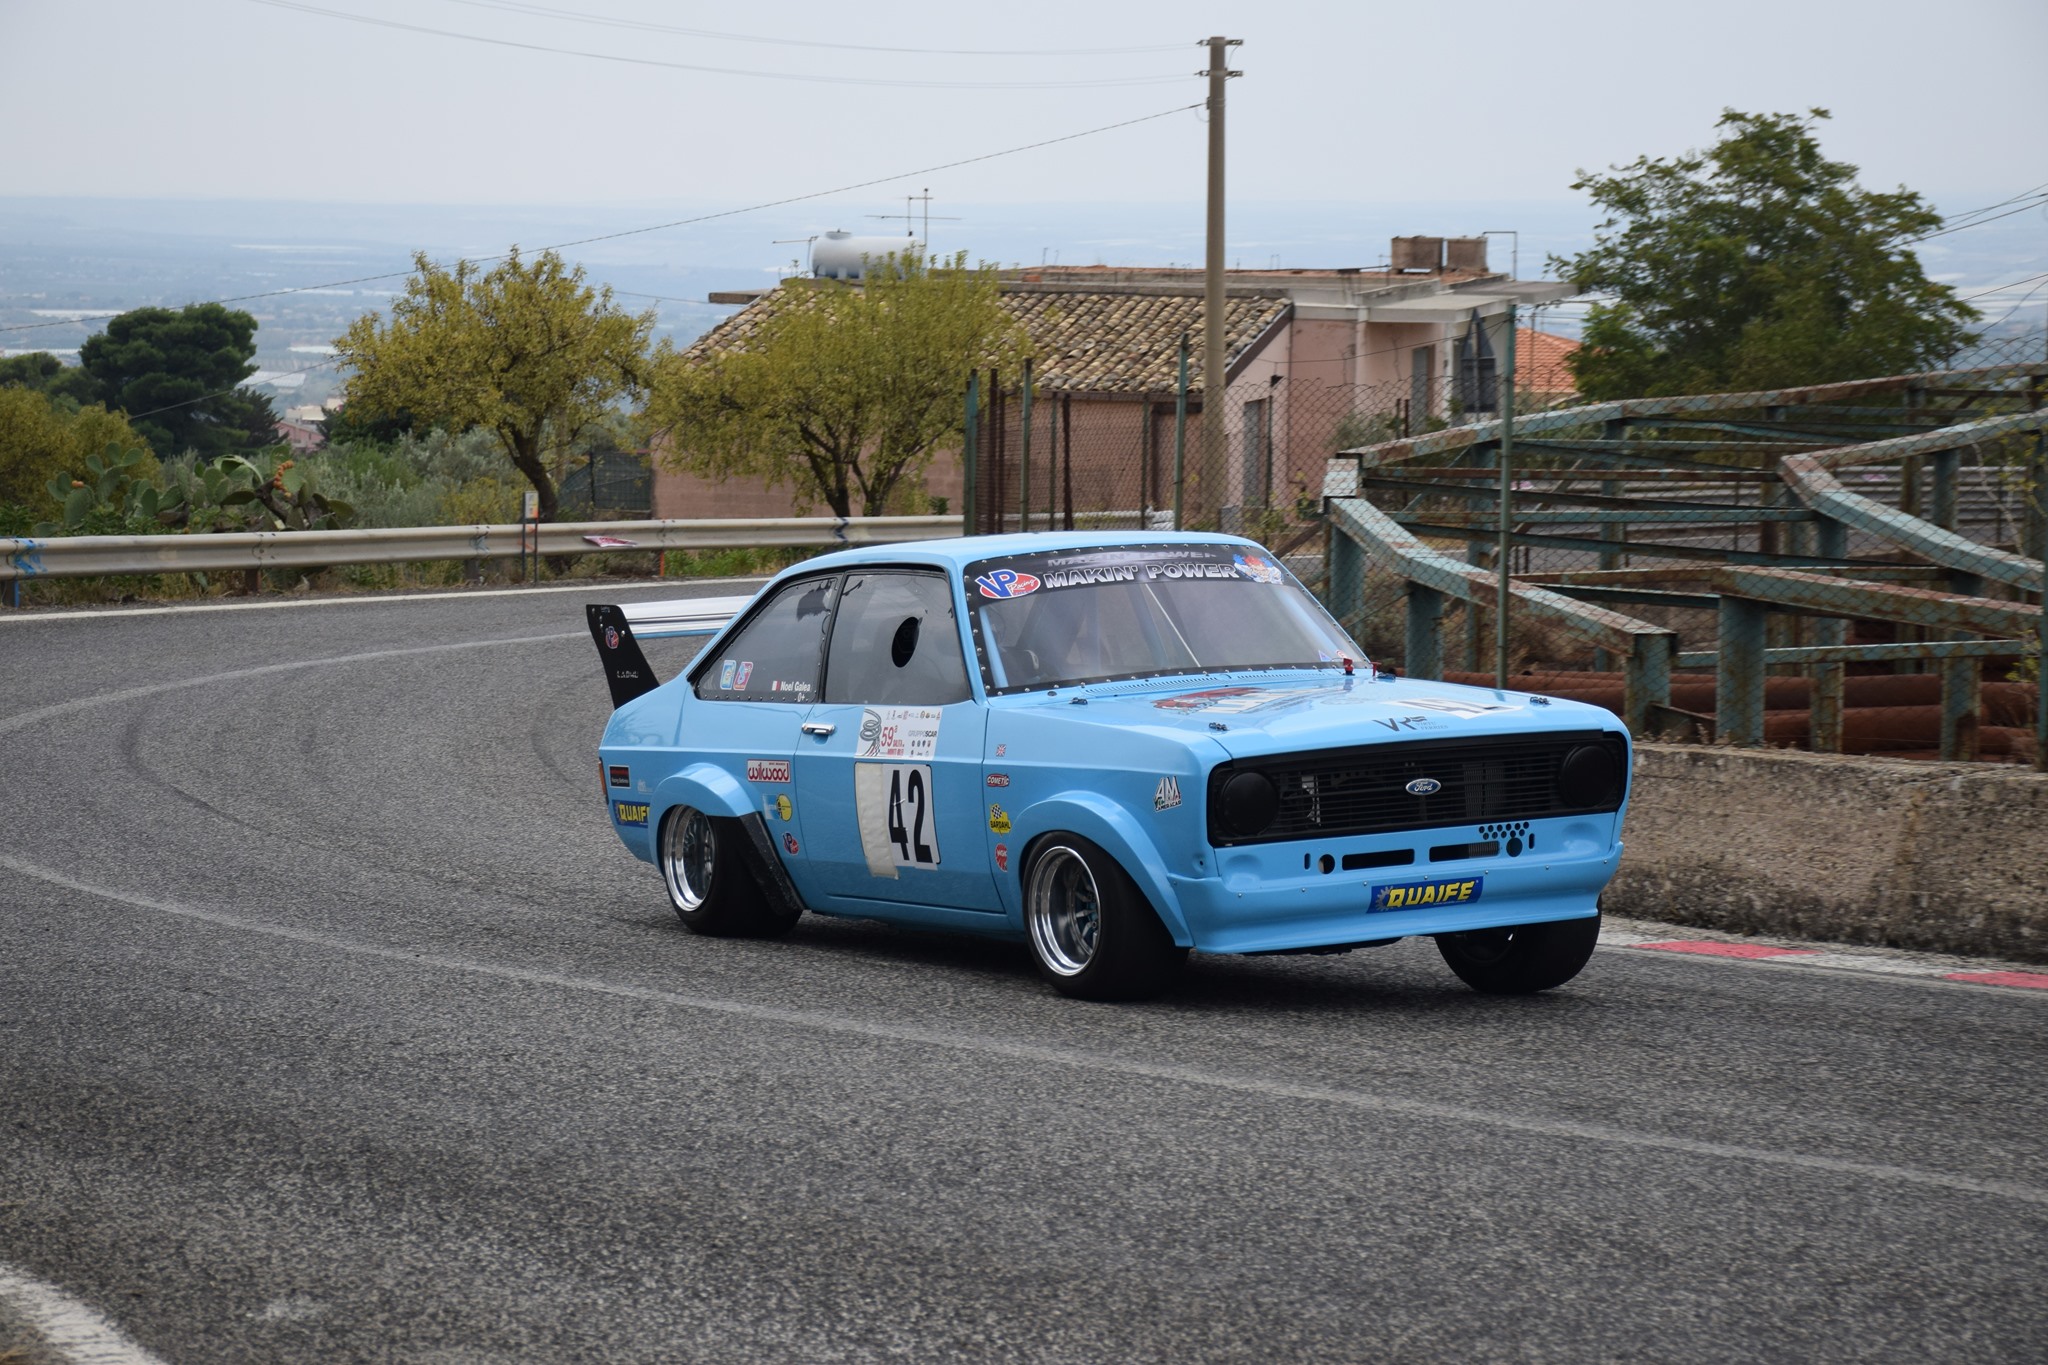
x,y
1850,568
609,484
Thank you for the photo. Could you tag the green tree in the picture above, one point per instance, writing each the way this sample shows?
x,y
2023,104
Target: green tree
x,y
177,371
43,372
42,438
528,352
1756,264
844,389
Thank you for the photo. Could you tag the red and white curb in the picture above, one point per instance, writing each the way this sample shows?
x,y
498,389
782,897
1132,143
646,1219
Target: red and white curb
x,y
1780,956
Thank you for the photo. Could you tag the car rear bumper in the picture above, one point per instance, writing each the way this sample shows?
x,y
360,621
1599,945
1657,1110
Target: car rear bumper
x,y
1242,911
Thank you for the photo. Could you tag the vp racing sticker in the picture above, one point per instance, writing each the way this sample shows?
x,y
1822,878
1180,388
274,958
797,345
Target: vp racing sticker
x,y
1005,583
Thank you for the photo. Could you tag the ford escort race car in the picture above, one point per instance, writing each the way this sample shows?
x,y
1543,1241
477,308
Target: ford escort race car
x,y
1113,747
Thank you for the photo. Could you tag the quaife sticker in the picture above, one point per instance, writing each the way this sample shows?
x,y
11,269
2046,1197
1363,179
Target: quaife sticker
x,y
767,770
898,732
898,823
1418,895
630,813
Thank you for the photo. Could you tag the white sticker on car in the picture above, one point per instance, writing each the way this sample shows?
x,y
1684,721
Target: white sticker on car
x,y
910,732
1452,706
898,825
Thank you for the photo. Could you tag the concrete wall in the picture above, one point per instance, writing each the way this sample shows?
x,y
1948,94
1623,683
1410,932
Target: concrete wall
x,y
1937,857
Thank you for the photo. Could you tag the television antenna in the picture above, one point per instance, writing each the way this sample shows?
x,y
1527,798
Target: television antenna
x,y
910,215
795,268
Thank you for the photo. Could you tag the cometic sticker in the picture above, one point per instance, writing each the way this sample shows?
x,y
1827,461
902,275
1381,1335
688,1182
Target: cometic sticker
x,y
630,813
1418,895
767,770
1002,583
998,779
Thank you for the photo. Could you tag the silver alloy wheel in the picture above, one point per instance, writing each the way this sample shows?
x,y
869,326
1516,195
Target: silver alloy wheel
x,y
688,857
1064,908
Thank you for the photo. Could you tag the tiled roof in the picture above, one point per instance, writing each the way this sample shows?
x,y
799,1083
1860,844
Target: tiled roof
x,y
1087,341
1540,362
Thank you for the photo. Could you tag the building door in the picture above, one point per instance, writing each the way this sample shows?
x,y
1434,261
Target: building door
x,y
1421,387
1255,453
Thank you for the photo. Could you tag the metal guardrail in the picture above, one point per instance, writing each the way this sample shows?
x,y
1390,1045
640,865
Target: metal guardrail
x,y
94,556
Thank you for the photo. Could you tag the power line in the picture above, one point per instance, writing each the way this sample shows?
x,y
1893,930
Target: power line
x,y
687,222
609,21
1943,232
298,6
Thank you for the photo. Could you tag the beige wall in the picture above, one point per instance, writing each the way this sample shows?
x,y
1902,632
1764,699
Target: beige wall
x,y
1938,857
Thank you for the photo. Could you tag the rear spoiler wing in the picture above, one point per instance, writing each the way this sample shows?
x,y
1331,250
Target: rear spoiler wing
x,y
618,630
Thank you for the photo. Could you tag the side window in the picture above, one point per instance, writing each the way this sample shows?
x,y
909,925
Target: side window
x,y
896,642
776,656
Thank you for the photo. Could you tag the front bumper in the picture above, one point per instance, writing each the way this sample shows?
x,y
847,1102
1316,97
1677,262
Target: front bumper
x,y
1264,900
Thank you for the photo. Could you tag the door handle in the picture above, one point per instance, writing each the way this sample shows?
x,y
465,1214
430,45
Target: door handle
x,y
819,728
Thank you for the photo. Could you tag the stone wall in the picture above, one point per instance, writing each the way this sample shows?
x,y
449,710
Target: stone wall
x,y
1938,857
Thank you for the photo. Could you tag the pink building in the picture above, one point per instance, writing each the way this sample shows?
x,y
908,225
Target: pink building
x,y
1319,360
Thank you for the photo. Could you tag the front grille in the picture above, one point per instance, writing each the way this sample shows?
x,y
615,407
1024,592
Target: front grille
x,y
1334,792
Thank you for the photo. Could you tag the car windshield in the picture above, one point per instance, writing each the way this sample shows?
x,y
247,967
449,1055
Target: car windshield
x,y
1136,611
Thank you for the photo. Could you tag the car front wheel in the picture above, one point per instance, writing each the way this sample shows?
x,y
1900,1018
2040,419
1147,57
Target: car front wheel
x,y
1521,958
703,864
1092,933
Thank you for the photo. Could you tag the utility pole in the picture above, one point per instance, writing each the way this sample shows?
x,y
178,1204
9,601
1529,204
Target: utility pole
x,y
1214,331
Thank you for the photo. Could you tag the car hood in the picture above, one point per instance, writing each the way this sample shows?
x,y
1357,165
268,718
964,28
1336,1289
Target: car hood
x,y
1249,717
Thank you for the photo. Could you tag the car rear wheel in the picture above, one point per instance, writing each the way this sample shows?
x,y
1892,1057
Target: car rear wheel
x,y
1521,958
1092,933
704,866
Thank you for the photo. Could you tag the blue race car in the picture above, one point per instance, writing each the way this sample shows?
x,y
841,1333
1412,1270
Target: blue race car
x,y
1115,747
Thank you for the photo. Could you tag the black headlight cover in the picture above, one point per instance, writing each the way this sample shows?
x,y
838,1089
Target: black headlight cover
x,y
1247,802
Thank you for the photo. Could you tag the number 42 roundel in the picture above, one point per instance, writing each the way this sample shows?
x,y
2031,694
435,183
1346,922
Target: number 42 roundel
x,y
897,824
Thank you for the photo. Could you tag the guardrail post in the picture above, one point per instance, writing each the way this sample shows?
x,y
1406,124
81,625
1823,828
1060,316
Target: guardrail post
x,y
1830,680
1739,674
1947,466
1425,645
1647,680
1344,588
1959,708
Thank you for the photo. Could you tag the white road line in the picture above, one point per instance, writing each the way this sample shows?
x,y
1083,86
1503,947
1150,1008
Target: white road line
x,y
367,600
72,1332
1045,1055
63,708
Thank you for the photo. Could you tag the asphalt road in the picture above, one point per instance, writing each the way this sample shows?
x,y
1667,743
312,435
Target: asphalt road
x,y
336,1025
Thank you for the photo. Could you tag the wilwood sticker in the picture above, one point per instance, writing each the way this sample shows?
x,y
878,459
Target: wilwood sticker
x,y
767,770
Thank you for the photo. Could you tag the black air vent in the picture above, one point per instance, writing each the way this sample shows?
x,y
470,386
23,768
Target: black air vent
x,y
1365,790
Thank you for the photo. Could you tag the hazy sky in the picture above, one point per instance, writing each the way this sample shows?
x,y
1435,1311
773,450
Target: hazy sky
x,y
1351,102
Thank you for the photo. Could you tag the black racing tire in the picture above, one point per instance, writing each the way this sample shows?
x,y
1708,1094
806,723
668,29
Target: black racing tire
x,y
705,866
1092,932
1520,959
